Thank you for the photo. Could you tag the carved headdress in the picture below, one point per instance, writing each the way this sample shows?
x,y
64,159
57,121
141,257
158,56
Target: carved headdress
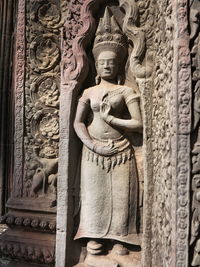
x,y
109,36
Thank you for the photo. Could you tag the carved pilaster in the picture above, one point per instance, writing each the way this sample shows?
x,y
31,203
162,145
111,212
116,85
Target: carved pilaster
x,y
32,205
171,135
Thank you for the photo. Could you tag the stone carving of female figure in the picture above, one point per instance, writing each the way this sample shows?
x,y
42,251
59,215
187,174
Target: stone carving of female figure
x,y
109,181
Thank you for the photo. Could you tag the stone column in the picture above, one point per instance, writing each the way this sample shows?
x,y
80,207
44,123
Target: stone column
x,y
8,14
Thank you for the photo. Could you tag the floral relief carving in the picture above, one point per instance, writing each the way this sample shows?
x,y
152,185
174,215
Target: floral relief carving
x,y
45,91
36,94
45,125
44,21
150,32
49,15
162,137
19,98
135,25
44,52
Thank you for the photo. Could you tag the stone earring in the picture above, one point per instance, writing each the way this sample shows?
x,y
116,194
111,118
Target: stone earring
x,y
119,79
98,79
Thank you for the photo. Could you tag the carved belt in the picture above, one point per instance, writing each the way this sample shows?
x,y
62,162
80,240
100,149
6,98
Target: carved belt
x,y
125,153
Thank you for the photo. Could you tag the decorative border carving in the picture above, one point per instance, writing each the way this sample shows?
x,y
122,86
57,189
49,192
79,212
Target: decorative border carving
x,y
19,99
195,153
37,223
162,134
28,252
182,82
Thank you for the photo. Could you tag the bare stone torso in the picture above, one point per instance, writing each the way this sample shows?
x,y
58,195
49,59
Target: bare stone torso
x,y
98,128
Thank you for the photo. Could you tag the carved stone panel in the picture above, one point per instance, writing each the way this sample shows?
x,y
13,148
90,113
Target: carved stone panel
x,y
32,204
158,67
105,99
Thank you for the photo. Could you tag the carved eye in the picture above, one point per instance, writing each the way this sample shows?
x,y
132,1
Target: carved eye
x,y
101,62
111,62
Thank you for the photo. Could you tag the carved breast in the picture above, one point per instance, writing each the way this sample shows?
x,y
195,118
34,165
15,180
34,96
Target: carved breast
x,y
114,97
117,102
95,105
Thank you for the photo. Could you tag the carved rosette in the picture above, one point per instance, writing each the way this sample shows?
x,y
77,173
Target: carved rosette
x,y
44,52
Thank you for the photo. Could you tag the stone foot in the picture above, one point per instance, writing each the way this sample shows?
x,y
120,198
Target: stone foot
x,y
100,261
130,260
119,249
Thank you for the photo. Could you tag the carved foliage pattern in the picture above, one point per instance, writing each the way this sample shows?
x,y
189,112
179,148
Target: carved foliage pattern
x,y
78,29
19,99
139,26
72,26
162,135
171,142
44,20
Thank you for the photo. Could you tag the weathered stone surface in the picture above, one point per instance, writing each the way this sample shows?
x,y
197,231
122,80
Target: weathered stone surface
x,y
53,65
36,82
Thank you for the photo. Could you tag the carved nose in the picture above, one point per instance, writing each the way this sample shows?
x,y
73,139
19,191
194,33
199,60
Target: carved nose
x,y
106,65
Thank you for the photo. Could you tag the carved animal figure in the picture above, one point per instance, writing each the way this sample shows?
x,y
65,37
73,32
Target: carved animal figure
x,y
46,174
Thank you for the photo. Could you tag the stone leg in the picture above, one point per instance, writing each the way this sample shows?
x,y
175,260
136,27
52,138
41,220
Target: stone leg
x,y
94,247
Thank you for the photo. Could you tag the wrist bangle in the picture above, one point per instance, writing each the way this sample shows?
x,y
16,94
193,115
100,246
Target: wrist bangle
x,y
110,118
94,146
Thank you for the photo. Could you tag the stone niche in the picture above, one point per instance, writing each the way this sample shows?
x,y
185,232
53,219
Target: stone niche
x,y
158,72
157,43
102,122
